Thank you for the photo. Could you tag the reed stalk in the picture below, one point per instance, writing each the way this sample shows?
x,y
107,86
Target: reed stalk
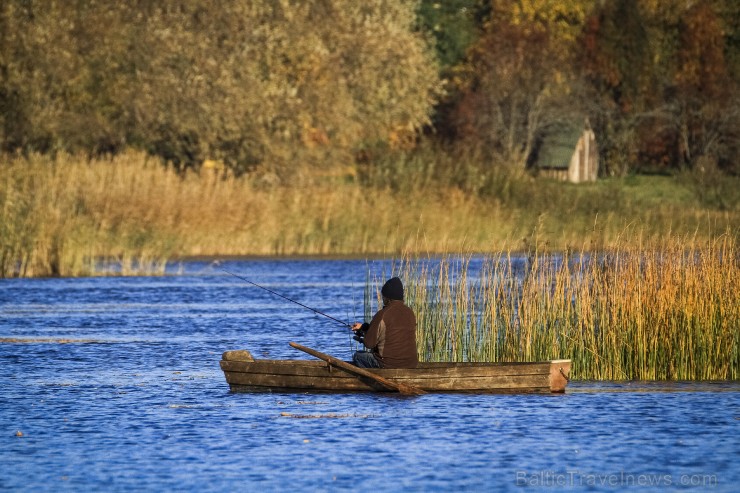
x,y
666,311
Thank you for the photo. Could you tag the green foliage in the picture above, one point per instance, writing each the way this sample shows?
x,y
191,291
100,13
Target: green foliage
x,y
711,186
455,25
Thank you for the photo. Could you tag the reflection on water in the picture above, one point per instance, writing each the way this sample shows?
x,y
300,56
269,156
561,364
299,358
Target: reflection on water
x,y
134,400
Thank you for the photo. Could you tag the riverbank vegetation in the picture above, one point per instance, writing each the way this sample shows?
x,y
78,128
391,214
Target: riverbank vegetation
x,y
63,215
142,132
664,310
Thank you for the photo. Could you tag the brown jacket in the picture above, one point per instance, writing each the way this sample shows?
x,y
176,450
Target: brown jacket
x,y
392,336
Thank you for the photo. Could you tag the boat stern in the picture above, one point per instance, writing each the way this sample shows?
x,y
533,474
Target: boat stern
x,y
559,374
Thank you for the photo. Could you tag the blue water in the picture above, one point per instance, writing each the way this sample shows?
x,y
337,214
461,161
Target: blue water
x,y
137,401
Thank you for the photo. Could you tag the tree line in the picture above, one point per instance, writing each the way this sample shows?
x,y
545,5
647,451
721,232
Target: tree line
x,y
272,83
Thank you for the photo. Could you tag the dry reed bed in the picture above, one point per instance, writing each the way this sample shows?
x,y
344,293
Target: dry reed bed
x,y
60,216
664,312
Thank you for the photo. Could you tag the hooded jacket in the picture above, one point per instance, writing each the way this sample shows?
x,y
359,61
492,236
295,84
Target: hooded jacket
x,y
391,335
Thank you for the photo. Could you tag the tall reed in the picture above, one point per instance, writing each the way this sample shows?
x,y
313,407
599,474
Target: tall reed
x,y
648,312
61,216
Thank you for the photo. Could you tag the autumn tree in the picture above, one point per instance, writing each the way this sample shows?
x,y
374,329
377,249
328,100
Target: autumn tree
x,y
453,26
252,83
615,58
663,92
707,96
519,81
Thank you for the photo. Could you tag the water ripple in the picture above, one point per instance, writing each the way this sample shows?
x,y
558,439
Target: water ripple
x,y
136,401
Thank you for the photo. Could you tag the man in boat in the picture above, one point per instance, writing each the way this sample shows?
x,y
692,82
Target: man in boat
x,y
390,337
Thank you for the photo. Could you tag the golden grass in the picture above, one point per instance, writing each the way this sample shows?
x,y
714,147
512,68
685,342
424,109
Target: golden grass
x,y
62,216
59,216
665,311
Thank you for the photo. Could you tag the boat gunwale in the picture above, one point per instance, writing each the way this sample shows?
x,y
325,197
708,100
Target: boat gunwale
x,y
428,370
304,375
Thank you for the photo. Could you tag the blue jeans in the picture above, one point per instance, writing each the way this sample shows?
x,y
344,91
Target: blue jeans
x,y
365,359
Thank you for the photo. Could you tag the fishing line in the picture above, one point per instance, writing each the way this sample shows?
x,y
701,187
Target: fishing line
x,y
345,324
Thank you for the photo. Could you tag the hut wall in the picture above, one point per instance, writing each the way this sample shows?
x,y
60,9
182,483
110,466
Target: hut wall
x,y
584,164
560,174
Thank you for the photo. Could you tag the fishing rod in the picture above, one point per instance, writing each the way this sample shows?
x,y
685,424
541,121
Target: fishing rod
x,y
345,324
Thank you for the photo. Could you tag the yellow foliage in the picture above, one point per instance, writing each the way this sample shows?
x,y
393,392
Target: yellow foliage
x,y
563,18
229,80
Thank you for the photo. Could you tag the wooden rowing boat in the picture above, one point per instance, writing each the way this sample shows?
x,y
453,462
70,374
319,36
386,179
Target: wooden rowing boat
x,y
245,374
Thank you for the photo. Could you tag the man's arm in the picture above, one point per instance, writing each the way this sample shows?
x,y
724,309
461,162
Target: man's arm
x,y
369,332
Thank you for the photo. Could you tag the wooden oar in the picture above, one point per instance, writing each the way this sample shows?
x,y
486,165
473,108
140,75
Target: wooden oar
x,y
400,387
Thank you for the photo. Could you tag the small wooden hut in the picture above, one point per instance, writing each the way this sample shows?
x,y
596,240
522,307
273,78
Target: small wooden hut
x,y
568,154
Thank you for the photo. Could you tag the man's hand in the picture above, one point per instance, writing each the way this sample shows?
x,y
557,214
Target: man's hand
x,y
360,330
